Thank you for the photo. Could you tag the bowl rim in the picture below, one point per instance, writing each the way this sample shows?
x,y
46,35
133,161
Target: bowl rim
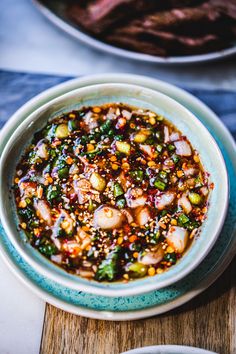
x,y
89,287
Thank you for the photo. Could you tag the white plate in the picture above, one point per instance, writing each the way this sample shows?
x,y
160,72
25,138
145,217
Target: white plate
x,y
168,349
55,13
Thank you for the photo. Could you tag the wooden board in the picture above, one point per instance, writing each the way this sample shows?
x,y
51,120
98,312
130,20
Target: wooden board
x,y
208,321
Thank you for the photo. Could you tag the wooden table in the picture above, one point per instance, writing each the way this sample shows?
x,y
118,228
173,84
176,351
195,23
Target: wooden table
x,y
208,321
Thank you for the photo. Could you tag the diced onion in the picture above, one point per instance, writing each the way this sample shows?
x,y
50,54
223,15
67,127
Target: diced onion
x,y
135,198
185,204
108,218
166,134
163,200
153,257
43,210
177,238
183,148
142,215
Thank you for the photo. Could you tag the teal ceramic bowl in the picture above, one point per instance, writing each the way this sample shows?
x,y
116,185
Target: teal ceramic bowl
x,y
183,119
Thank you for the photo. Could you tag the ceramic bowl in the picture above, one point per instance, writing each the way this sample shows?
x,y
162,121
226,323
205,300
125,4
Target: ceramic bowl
x,y
183,119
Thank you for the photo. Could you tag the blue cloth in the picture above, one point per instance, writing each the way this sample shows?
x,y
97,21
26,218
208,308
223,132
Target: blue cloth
x,y
17,88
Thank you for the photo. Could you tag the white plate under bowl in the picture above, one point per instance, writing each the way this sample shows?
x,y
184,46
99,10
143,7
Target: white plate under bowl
x,y
226,143
168,349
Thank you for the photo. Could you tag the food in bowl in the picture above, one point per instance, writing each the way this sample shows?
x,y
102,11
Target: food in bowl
x,y
111,192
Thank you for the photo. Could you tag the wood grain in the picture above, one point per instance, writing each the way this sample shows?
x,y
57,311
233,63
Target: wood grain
x,y
208,321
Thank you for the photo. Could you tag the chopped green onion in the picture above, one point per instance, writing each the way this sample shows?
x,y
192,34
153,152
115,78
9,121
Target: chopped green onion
x,y
90,206
170,257
121,203
155,237
159,148
105,127
164,212
72,125
63,172
137,175
149,141
111,133
62,131
182,219
137,270
160,185
175,158
192,225
28,201
118,190
171,147
119,137
198,181
158,135
48,250
163,174
53,192
84,139
195,198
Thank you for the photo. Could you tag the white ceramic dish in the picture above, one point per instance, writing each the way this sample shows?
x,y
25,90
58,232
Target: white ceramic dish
x,y
185,121
219,258
168,349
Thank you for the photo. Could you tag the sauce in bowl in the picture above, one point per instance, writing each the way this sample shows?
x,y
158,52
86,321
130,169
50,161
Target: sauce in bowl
x,y
111,192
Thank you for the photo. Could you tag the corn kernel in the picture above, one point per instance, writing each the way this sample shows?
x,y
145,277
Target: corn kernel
x,y
23,225
120,240
135,254
37,232
159,271
113,158
151,271
90,147
151,163
49,179
169,249
152,121
132,238
72,115
173,222
180,173
69,160
125,166
22,204
196,158
114,166
96,109
16,180
64,224
126,276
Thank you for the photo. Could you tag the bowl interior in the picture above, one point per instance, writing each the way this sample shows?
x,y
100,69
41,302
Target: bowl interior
x,y
189,125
